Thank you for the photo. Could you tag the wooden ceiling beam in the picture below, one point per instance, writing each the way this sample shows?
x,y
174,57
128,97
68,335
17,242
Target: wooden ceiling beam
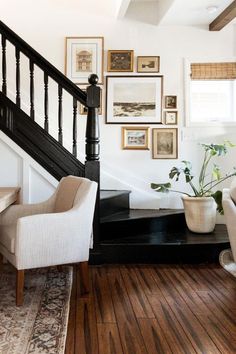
x,y
224,18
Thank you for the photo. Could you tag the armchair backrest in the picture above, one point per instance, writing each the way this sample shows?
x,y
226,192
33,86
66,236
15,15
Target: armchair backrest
x,y
66,193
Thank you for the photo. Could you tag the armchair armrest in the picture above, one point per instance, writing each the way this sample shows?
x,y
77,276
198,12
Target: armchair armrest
x,y
14,212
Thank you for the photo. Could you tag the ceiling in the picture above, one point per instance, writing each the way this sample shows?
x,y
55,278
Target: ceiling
x,y
174,12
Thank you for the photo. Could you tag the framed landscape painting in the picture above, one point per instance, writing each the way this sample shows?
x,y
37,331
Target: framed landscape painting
x,y
84,56
135,138
134,99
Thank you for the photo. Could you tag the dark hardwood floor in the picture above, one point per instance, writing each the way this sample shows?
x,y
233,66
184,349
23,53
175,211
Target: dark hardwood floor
x,y
154,309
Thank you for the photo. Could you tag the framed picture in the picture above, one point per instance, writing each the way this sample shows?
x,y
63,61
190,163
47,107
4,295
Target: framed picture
x,y
84,110
84,56
171,102
135,138
134,99
171,117
165,143
120,60
147,64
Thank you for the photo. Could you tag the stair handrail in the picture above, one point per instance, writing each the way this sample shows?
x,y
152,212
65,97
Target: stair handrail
x,y
43,64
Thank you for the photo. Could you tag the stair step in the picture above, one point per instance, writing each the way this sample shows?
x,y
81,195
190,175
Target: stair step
x,y
135,222
164,247
113,202
184,237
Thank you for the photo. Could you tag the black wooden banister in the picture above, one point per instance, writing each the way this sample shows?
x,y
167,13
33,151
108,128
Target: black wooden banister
x,y
35,140
42,63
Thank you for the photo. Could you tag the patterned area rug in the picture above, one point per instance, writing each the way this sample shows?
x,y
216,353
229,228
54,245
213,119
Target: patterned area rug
x,y
40,325
227,262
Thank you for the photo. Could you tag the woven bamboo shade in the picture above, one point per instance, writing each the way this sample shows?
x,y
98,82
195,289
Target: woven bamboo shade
x,y
213,71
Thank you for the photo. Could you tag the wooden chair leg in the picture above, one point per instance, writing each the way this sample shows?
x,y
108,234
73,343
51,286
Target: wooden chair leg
x,y
84,277
20,275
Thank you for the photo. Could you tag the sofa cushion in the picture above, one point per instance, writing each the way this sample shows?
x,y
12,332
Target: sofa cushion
x,y
8,237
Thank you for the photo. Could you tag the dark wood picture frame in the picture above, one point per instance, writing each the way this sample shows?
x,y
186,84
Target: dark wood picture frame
x,y
120,60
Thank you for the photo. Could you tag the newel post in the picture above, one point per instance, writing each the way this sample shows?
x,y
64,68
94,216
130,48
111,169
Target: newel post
x,y
92,147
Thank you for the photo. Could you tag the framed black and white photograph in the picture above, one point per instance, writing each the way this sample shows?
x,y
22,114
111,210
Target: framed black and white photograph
x,y
171,117
148,64
135,138
120,60
134,100
84,56
171,102
165,143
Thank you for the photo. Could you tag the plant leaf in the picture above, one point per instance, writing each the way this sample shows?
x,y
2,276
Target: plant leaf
x,y
161,187
218,199
216,172
175,172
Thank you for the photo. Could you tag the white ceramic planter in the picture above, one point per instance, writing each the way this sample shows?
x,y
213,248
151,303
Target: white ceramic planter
x,y
200,213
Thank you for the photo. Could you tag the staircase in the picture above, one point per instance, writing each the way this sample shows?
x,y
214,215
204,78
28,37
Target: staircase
x,y
152,236
120,234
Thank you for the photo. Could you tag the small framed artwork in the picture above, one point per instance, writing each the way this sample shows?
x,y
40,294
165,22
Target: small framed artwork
x,y
165,143
171,102
120,60
171,117
84,110
148,64
134,99
84,56
135,138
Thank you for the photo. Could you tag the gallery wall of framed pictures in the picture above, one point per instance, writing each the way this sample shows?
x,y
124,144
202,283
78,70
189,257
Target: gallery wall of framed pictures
x,y
132,99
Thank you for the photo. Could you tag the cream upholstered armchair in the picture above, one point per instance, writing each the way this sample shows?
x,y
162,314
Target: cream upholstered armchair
x,y
55,232
229,206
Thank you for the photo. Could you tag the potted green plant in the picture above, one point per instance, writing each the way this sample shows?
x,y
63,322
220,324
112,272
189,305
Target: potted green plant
x,y
200,206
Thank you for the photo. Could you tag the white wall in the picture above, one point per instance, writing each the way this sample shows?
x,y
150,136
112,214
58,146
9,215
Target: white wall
x,y
45,24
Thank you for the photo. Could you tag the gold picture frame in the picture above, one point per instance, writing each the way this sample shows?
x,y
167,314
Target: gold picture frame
x,y
171,102
171,117
135,138
120,60
83,111
148,64
165,143
84,56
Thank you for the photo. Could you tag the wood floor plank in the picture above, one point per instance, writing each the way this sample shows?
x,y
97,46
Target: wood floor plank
x,y
86,339
109,339
174,333
86,328
103,301
131,338
148,284
154,337
137,297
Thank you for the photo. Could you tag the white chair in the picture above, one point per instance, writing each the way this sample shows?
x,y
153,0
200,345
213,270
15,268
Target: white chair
x,y
229,206
55,232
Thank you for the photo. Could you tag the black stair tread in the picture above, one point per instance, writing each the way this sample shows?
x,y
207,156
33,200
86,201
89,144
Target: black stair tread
x,y
108,194
185,237
132,214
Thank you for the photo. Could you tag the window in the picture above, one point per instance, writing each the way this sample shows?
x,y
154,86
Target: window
x,y
212,93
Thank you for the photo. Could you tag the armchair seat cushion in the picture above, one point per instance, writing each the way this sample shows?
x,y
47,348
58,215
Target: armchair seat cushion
x,y
8,237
